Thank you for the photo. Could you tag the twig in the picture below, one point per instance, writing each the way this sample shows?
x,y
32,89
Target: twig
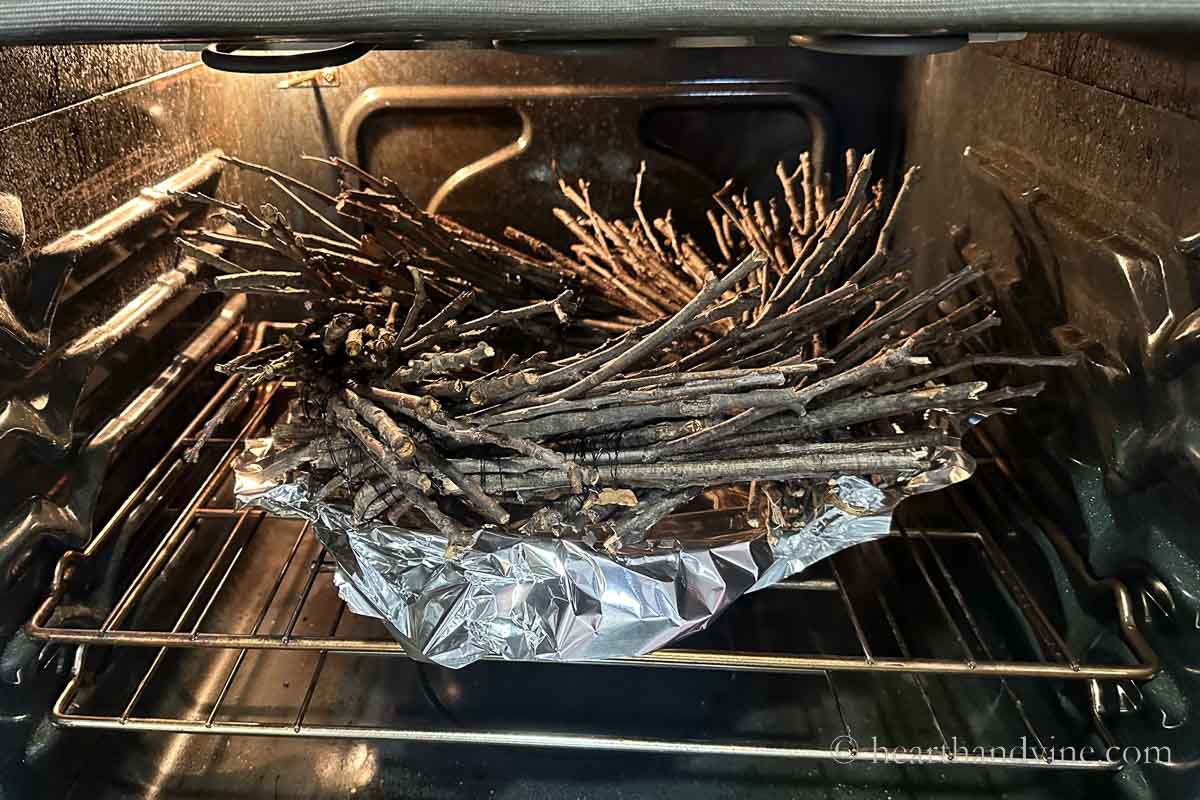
x,y
713,289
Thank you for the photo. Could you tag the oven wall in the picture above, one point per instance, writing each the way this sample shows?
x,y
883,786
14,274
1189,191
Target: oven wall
x,y
1071,163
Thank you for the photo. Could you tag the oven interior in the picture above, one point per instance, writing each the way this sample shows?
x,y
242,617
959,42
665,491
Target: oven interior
x,y
161,641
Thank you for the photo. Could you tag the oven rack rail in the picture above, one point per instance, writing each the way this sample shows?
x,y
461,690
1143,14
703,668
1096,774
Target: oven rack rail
x,y
1042,753
212,503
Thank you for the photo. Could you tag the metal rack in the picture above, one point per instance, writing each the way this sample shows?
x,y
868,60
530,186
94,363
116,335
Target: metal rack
x,y
249,578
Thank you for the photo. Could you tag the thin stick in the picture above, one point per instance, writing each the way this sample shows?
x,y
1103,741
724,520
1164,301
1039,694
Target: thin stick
x,y
789,194
885,233
328,223
440,319
665,332
719,235
977,361
414,310
637,208
344,166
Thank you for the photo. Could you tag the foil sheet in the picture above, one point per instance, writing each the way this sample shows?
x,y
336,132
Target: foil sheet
x,y
524,598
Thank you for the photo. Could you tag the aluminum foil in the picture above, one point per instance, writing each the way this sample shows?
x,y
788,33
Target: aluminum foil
x,y
524,598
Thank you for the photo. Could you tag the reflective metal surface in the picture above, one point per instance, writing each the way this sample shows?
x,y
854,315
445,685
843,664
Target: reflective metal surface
x,y
523,598
1089,206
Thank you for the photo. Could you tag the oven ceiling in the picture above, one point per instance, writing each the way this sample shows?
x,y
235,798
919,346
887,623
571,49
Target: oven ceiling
x,y
164,20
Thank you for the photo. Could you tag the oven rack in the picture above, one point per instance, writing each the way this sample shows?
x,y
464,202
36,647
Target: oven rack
x,y
261,577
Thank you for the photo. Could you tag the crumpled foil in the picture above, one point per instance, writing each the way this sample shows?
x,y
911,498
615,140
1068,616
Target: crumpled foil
x,y
524,598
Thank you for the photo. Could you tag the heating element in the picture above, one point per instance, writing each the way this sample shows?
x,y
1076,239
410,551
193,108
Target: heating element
x,y
242,594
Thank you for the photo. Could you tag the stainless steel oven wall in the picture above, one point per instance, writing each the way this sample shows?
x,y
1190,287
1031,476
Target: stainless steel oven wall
x,y
1072,161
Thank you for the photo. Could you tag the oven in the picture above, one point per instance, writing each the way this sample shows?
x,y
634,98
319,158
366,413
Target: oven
x,y
1029,632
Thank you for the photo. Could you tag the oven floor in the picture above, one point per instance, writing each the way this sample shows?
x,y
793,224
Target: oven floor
x,y
266,768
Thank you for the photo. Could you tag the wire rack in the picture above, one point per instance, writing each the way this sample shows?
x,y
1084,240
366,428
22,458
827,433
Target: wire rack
x,y
234,586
